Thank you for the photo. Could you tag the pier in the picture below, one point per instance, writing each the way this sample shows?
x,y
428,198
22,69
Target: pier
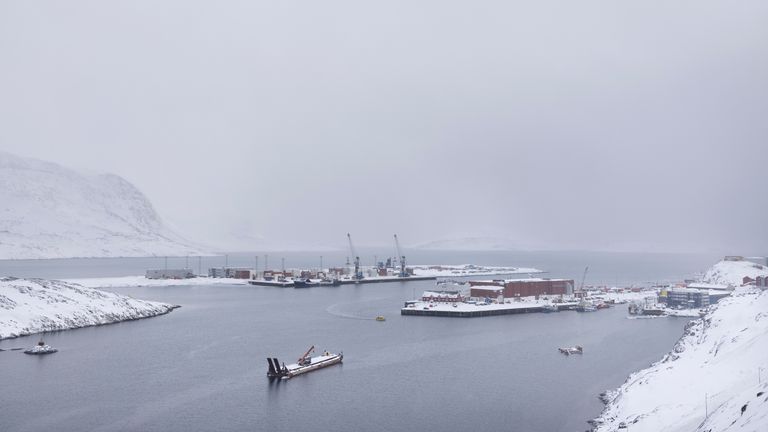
x,y
468,310
382,279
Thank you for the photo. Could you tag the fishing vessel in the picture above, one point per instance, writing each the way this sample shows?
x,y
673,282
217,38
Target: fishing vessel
x,y
40,349
585,306
304,364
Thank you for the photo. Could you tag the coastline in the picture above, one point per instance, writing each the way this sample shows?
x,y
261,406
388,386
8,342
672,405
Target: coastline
x,y
32,306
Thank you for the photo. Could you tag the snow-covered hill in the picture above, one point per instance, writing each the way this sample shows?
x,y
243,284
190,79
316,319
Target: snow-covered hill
x,y
733,272
29,306
719,359
48,211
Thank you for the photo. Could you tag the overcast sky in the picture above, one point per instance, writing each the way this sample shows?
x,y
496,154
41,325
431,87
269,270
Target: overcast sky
x,y
636,125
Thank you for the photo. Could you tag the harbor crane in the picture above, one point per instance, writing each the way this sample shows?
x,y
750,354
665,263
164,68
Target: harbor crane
x,y
583,278
401,257
358,272
306,359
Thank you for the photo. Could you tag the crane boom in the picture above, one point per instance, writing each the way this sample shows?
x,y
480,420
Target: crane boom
x,y
401,258
304,359
358,273
583,278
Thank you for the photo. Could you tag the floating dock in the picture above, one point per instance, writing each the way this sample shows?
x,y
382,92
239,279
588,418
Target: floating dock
x,y
469,310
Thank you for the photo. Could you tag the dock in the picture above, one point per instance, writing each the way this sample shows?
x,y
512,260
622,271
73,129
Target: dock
x,y
469,310
271,283
370,280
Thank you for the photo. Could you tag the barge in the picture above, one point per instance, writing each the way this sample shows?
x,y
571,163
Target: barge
x,y
303,365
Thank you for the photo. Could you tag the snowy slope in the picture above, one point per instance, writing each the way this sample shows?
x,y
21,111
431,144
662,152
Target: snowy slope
x,y
718,357
733,272
48,211
30,306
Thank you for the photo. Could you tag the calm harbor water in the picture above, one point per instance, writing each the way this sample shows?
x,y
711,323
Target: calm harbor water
x,y
203,366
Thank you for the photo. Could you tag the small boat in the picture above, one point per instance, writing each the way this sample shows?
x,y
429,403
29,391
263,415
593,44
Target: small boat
x,y
40,349
380,318
585,306
329,282
303,283
550,308
572,350
303,365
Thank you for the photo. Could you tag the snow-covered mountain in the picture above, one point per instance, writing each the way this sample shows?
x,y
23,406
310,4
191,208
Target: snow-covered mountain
x,y
711,381
48,211
470,244
29,306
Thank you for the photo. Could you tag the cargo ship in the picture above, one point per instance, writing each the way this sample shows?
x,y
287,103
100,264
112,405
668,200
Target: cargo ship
x,y
303,365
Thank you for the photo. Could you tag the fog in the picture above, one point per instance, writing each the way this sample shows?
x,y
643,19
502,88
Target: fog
x,y
554,124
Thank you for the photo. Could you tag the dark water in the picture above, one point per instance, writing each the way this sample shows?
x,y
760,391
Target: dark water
x,y
203,366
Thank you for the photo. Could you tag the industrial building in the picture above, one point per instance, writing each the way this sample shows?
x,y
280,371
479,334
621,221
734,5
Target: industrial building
x,y
231,272
520,287
688,298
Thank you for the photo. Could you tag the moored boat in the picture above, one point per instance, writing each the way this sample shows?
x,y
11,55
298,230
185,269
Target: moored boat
x,y
550,308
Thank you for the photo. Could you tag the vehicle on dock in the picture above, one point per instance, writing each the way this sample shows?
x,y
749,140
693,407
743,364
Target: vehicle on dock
x,y
304,364
572,350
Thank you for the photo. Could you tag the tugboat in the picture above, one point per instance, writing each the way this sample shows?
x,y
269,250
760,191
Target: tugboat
x,y
304,364
40,349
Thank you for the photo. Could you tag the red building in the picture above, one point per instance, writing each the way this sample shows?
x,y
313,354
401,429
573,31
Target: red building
x,y
521,287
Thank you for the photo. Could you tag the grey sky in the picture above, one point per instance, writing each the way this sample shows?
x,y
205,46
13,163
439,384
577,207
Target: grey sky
x,y
591,124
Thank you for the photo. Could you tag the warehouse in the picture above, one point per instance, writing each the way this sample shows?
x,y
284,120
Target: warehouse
x,y
521,287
